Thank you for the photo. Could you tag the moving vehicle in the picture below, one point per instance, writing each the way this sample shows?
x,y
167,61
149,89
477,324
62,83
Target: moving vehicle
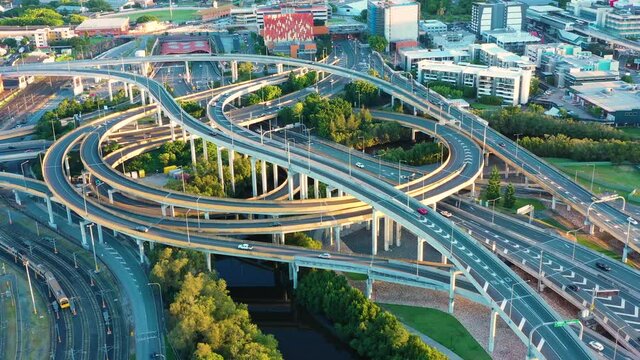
x,y
502,144
573,287
422,211
596,345
143,229
245,247
602,266
446,214
360,165
62,299
325,256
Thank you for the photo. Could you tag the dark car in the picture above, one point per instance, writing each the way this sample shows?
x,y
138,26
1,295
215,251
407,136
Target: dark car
x,y
573,287
602,266
502,144
422,211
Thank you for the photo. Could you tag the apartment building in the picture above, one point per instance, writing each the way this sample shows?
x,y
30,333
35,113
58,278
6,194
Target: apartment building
x,y
495,14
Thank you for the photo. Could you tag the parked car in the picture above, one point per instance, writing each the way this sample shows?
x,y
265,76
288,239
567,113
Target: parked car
x,y
245,247
602,266
325,256
422,211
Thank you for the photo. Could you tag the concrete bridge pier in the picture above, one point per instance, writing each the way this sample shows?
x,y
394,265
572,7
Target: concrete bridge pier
x,y
187,72
143,97
52,222
69,218
279,68
78,88
159,116
17,195
205,152
67,168
83,233
420,252
293,274
413,134
506,170
206,215
110,87
172,127
220,168
387,232
141,250
231,170
100,235
553,202
398,233
452,287
316,188
184,133
303,186
254,177
234,71
192,142
625,253
125,87
275,175
492,330
130,93
336,235
110,193
263,174
207,255
374,232
290,175
369,288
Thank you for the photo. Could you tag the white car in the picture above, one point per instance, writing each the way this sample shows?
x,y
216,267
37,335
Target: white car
x,y
325,256
596,345
446,214
143,229
360,165
245,247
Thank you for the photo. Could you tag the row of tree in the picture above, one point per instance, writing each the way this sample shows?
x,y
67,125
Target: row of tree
x,y
42,16
373,332
420,154
494,189
204,322
616,151
451,91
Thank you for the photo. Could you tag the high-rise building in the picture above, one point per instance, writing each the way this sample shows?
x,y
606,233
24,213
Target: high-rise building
x,y
495,14
396,20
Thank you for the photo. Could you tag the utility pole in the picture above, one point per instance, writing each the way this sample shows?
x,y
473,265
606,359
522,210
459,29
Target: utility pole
x,y
33,300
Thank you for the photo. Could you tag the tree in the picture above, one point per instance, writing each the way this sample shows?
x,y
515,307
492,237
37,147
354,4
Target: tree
x,y
98,5
509,199
146,18
245,69
378,43
493,187
627,79
10,42
534,86
75,19
302,240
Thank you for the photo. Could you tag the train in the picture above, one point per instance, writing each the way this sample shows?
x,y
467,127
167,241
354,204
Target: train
x,y
57,291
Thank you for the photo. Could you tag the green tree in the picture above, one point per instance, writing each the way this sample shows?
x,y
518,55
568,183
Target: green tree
x,y
493,187
534,86
627,79
378,43
245,69
302,240
146,18
98,5
75,19
509,198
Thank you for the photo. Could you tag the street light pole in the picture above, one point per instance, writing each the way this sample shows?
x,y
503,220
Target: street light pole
x,y
23,176
186,220
517,141
93,246
493,212
593,175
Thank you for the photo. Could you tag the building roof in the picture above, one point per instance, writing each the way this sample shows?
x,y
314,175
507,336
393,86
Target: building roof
x,y
103,23
482,70
544,8
611,96
509,36
418,53
593,74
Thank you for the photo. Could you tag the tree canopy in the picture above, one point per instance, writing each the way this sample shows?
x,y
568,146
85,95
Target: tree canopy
x,y
146,18
378,43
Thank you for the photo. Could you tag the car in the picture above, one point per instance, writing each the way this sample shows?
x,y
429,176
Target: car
x,y
573,287
596,345
501,144
603,266
213,133
360,165
11,148
446,214
325,256
245,247
422,211
141,228
276,224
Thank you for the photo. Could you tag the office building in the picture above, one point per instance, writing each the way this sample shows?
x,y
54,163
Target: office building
x,y
351,8
620,18
510,84
410,57
452,40
431,27
320,11
493,55
491,15
396,20
617,101
510,40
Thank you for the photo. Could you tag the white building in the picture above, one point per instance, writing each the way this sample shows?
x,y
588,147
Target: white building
x,y
511,40
491,15
511,84
351,8
493,55
431,27
410,57
396,20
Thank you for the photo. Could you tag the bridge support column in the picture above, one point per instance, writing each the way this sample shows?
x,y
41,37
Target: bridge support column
x,y
173,210
17,195
279,68
69,218
192,142
506,170
205,152
387,233
83,234
625,253
336,235
254,177
290,175
398,233
125,88
66,167
143,97
293,274
159,116
231,170
303,186
130,93
492,330
234,71
374,232
263,174
78,88
100,236
110,87
473,190
206,215
592,229
52,222
184,133
413,135
208,256
452,288
110,193
526,181
553,202
141,250
275,175
420,251
187,72
220,168
172,127
316,188
369,288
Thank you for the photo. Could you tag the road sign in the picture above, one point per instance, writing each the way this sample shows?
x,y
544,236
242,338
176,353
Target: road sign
x,y
565,322
605,293
524,210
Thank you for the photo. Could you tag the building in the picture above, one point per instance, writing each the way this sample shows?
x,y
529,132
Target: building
x,y
510,84
510,40
320,11
495,14
620,18
617,101
568,65
396,20
452,40
291,34
103,26
40,36
431,27
493,55
351,8
410,57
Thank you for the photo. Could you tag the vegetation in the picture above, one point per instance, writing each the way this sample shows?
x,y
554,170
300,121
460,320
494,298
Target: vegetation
x,y
378,43
303,240
493,186
204,323
193,108
362,93
98,5
534,86
35,16
509,197
299,82
371,331
420,154
245,69
446,9
615,151
490,100
146,18
266,93
451,91
627,79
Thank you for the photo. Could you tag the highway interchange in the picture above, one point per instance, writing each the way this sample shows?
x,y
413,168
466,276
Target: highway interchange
x,y
483,270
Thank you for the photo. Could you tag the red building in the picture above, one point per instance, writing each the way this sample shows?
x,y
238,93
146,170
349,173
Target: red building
x,y
287,28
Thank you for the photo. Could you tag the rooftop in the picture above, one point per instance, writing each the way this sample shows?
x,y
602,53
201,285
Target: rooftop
x,y
544,8
611,96
505,35
415,53
102,23
481,70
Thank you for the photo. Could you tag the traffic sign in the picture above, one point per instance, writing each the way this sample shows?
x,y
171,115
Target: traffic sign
x,y
565,322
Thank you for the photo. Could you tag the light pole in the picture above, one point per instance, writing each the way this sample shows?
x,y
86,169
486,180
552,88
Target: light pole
x,y
186,221
400,170
93,246
625,251
22,169
84,199
575,231
349,161
161,311
512,298
517,141
493,211
198,211
98,190
379,156
593,175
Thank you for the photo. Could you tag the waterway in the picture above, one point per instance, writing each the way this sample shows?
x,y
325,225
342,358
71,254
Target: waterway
x,y
263,287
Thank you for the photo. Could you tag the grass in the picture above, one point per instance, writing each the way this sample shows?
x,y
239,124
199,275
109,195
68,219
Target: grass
x,y
179,15
441,327
554,223
479,106
584,241
355,276
631,131
608,177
